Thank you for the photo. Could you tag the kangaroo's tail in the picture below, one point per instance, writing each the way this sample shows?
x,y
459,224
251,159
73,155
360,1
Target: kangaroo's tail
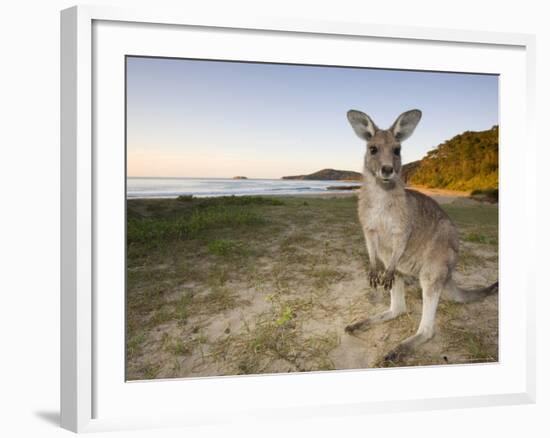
x,y
468,295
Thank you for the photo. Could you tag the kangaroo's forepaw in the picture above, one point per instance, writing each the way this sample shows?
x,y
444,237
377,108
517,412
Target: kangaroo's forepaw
x,y
387,280
374,278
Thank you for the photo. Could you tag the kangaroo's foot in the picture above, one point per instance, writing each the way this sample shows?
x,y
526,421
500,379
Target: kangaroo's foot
x,y
358,326
405,348
366,323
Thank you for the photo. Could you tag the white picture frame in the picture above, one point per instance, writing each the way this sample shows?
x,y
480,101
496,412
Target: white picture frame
x,y
90,37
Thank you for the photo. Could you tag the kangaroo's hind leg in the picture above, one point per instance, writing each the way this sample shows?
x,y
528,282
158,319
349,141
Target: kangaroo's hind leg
x,y
432,285
398,306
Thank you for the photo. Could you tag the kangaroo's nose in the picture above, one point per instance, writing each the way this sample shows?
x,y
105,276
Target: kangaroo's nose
x,y
387,170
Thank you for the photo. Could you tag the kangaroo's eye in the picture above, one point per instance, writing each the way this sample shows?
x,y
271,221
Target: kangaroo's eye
x,y
397,151
373,150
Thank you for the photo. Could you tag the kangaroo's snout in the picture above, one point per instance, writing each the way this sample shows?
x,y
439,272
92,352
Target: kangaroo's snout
x,y
386,171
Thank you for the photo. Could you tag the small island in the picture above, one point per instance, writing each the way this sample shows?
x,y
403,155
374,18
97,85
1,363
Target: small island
x,y
240,177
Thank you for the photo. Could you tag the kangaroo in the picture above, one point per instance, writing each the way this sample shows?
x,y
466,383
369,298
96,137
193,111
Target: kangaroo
x,y
406,232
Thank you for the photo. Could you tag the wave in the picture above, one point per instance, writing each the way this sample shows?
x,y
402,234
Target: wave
x,y
205,187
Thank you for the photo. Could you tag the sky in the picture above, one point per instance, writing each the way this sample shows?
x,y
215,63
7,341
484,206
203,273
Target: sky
x,y
195,118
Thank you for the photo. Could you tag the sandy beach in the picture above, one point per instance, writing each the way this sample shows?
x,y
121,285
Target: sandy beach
x,y
442,196
267,284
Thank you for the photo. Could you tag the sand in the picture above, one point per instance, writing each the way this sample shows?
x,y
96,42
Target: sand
x,y
284,308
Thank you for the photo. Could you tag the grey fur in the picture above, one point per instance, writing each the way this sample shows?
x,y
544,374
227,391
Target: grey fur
x,y
362,124
406,232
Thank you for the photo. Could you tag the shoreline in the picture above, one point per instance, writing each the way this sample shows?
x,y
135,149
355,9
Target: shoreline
x,y
441,192
442,196
328,193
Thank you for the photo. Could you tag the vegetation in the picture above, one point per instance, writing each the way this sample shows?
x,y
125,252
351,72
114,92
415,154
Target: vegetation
x,y
407,170
468,161
489,195
189,218
246,285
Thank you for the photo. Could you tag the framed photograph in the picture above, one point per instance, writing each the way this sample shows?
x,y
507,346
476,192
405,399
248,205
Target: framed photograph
x,y
252,209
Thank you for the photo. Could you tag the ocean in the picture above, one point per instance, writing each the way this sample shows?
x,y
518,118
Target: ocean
x,y
207,187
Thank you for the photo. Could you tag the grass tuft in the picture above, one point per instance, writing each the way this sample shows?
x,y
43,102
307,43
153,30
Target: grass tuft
x,y
225,247
479,238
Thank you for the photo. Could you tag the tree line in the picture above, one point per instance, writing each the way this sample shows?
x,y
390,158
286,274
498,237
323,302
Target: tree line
x,y
468,161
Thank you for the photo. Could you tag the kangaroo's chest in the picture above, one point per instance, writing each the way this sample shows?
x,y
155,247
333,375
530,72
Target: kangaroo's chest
x,y
384,215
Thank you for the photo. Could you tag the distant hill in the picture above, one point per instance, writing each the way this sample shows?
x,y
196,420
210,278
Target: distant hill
x,y
330,174
407,170
468,161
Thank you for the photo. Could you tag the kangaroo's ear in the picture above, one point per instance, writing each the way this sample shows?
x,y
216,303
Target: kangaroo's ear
x,y
405,124
362,124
